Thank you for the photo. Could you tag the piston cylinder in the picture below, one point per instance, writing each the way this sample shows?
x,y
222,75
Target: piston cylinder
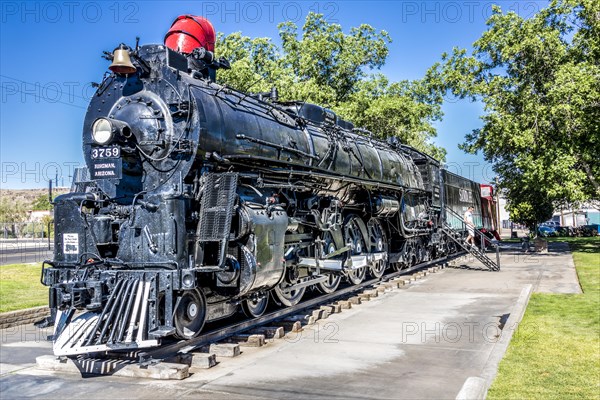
x,y
386,206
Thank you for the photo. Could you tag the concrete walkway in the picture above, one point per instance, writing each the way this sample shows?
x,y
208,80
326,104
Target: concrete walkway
x,y
422,341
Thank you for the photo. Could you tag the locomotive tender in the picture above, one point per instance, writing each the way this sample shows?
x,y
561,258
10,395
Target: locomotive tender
x,y
199,201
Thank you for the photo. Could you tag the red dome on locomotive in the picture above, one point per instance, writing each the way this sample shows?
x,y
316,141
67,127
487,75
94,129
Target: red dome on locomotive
x,y
189,32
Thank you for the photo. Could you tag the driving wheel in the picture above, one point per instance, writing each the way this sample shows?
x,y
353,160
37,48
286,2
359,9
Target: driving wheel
x,y
354,238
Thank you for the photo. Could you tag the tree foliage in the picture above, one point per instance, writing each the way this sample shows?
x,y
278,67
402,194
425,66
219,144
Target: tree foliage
x,y
12,210
539,80
326,66
41,203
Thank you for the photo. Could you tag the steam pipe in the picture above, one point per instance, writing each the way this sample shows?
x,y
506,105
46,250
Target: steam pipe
x,y
403,227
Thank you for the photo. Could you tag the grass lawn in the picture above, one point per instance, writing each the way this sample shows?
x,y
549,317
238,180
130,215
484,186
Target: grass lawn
x,y
555,353
20,287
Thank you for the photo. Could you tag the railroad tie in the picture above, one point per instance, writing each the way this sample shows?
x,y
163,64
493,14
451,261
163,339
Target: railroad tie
x,y
344,304
320,314
397,283
381,288
203,360
332,308
225,349
248,340
305,319
368,295
270,332
291,325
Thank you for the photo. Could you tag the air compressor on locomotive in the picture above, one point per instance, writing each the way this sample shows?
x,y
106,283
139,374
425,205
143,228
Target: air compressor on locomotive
x,y
199,201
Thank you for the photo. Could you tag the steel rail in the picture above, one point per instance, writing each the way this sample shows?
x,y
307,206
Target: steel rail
x,y
186,346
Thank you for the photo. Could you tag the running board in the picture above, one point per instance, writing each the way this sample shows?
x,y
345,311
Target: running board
x,y
331,265
352,263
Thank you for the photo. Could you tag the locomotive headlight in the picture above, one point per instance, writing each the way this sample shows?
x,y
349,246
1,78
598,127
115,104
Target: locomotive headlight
x,y
102,131
105,129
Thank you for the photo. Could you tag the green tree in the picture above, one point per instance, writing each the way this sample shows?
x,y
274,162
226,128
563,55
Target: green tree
x,y
539,79
12,213
326,66
403,109
529,206
47,221
41,203
12,210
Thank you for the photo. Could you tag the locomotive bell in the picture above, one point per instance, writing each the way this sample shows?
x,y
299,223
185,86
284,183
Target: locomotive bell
x,y
121,62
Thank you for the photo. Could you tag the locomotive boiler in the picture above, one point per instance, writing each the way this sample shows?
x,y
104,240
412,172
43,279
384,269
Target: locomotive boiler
x,y
198,201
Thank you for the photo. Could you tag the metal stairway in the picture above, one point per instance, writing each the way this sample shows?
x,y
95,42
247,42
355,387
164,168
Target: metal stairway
x,y
457,234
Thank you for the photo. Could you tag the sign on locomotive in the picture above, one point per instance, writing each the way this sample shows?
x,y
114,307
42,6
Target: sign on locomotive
x,y
199,201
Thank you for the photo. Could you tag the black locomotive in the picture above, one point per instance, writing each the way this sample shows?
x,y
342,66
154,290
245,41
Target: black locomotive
x,y
199,201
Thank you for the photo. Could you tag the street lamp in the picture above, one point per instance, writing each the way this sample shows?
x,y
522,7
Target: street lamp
x,y
498,221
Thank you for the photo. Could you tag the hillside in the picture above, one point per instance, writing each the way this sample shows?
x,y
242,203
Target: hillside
x,y
27,197
16,204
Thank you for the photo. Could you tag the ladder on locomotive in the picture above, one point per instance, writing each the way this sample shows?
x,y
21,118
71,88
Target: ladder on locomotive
x,y
216,211
456,234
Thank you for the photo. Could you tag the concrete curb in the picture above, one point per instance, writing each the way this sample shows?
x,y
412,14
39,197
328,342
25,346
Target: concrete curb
x,y
477,387
473,388
22,317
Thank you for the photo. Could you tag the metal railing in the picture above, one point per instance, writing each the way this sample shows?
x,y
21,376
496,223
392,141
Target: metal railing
x,y
460,227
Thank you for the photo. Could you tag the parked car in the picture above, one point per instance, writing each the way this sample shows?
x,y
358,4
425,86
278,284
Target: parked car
x,y
552,224
546,231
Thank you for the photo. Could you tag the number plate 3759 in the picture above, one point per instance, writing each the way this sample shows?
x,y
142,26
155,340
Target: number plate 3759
x,y
106,152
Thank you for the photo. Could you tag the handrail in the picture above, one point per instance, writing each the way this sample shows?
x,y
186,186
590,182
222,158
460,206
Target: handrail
x,y
482,237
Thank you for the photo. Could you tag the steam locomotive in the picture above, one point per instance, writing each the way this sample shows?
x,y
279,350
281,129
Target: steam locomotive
x,y
199,201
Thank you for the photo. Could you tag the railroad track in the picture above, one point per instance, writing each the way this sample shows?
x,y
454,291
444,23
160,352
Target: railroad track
x,y
217,335
97,364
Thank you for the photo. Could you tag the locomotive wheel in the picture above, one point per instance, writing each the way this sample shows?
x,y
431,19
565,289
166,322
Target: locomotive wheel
x,y
353,236
413,259
356,276
399,266
378,268
451,247
420,254
190,314
290,298
442,248
330,285
333,280
378,243
254,308
432,253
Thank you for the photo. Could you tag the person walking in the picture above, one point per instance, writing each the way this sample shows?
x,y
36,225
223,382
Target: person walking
x,y
468,217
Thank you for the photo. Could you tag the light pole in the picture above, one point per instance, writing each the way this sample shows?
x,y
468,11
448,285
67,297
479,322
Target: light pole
x,y
498,221
50,209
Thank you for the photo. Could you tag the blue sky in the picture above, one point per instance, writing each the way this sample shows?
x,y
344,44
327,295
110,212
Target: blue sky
x,y
50,52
